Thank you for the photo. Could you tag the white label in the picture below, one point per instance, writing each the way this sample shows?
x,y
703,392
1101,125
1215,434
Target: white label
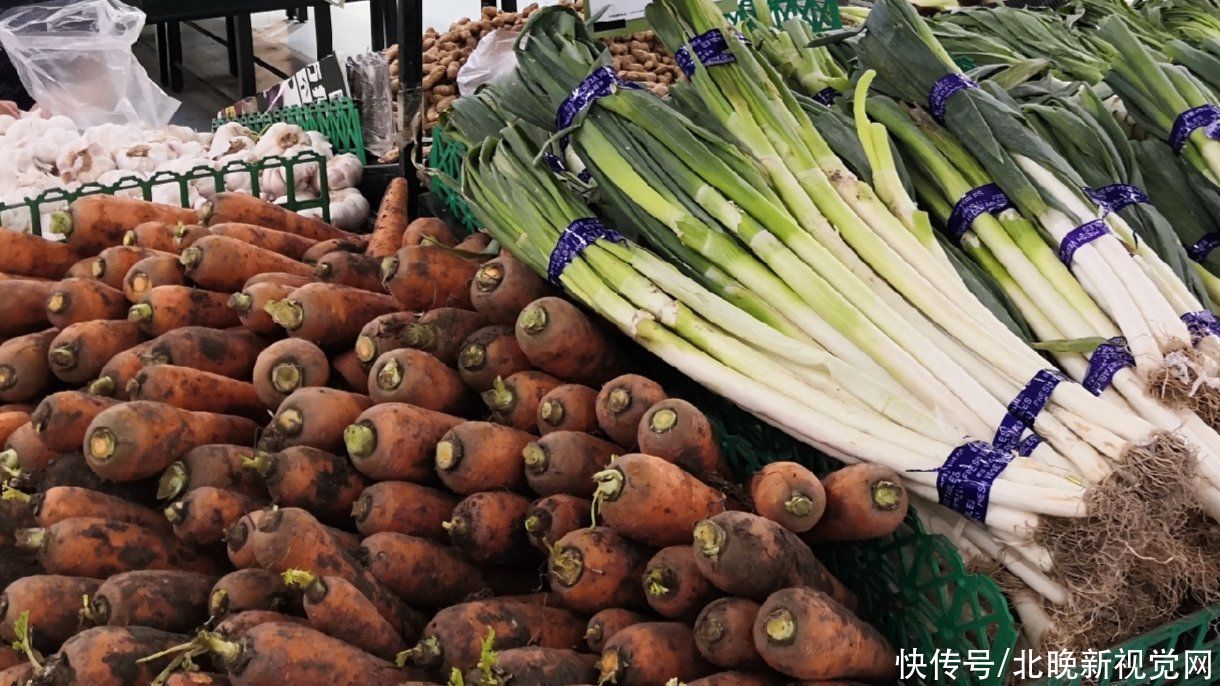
x,y
617,10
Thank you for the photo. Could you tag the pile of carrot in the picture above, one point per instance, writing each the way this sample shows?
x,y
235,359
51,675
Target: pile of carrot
x,y
252,449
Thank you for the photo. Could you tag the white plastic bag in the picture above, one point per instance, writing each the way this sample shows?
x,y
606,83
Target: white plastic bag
x,y
492,57
74,57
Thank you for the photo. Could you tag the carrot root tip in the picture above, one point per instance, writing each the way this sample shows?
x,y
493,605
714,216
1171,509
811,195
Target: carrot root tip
x,y
172,482
389,377
191,257
709,538
448,454
286,377
552,412
102,444
63,358
663,420
31,539
366,349
886,495
567,566
58,302
609,484
709,630
489,277
218,603
780,626
8,377
290,421
360,439
140,312
286,313
799,505
241,302
103,386
533,319
61,223
473,357
619,400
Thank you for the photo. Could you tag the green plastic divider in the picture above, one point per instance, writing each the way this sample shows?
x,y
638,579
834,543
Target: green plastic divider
x,y
446,157
823,15
338,120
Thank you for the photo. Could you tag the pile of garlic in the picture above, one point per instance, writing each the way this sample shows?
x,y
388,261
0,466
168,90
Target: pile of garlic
x,y
51,153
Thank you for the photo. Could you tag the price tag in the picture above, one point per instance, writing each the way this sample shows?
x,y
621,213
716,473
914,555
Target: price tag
x,y
627,16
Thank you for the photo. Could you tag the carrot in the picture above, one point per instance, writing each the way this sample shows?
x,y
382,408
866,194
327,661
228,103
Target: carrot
x,y
109,656
381,335
481,456
326,247
239,539
315,416
560,340
327,485
442,331
490,353
553,517
151,272
247,209
58,503
81,300
788,493
278,653
25,449
166,308
673,585
593,569
349,374
169,600
18,675
221,263
81,269
24,254
735,678
10,657
806,634
455,636
504,286
651,653
111,381
514,401
677,431
352,269
72,470
249,589
78,353
202,516
396,441
18,311
10,422
99,548
428,230
749,556
95,222
604,625
24,369
286,366
337,608
154,235
405,508
139,439
425,278
228,352
16,407
280,278
568,407
391,222
210,465
653,501
52,602
187,234
238,624
196,679
488,528
282,242
475,242
191,389
419,571
535,665
329,314
250,305
621,403
862,502
724,633
413,376
112,264
565,462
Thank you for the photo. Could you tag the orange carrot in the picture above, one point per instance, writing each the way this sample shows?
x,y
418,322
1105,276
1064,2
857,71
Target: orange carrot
x,y
217,465
247,209
724,633
281,278
514,401
382,335
61,419
9,658
356,270
24,370
249,589
82,300
737,678
72,470
481,456
153,235
566,462
110,656
282,242
58,503
391,222
396,441
24,254
806,634
349,374
337,608
99,548
677,431
788,493
554,517
489,353
24,448
80,351
251,304
81,269
202,516
238,624
11,421
286,366
425,278
315,416
653,501
166,308
52,602
329,314
650,653
196,679
862,502
405,508
412,376
20,306
191,389
326,247
228,352
547,330
96,222
604,625
419,571
475,242
311,479
277,653
503,287
221,263
442,331
535,665
151,272
673,585
423,230
592,569
112,264
489,528
239,539
169,600
569,407
187,234
111,381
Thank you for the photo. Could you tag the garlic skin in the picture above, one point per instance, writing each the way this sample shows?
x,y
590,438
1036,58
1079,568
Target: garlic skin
x,y
83,162
344,171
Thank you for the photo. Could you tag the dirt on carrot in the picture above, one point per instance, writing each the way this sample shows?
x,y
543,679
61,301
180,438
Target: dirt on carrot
x,y
480,456
653,501
490,353
673,585
862,502
593,569
566,462
95,222
405,508
224,264
504,286
248,209
168,599
489,528
25,371
442,331
425,278
191,389
24,254
391,221
314,416
568,407
724,633
553,517
80,300
412,376
150,272
397,441
561,340
287,366
788,493
329,314
806,634
678,431
651,653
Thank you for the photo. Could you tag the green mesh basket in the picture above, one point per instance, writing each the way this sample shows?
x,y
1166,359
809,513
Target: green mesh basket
x,y
338,120
823,15
446,158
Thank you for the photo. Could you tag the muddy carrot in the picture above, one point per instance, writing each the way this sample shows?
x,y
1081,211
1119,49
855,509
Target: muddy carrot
x,y
412,376
239,539
352,269
738,678
673,585
405,508
489,528
349,374
419,571
250,306
18,675
604,625
311,479
653,501
139,439
78,353
10,422
110,656
187,234
593,569
475,242
326,247
514,401
21,306
202,516
150,272
565,462
424,228
10,658
95,222
153,235
24,370
281,278
228,352
651,653
337,608
81,300
677,431
621,403
238,624
396,441
169,600
481,456
99,548
442,332
52,601
249,589
58,503
536,665
217,465
503,287
425,278
724,633
247,209
568,407
72,470
750,556
489,353
553,517
191,389
278,653
862,502
382,335
224,264
282,242
196,679
286,366
806,634
788,493
316,416
391,222
111,381
112,264
26,450
24,254
329,314
81,269
166,308
548,330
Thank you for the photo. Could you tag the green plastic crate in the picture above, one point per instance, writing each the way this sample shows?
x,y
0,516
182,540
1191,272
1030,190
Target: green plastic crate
x,y
446,157
338,120
823,15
